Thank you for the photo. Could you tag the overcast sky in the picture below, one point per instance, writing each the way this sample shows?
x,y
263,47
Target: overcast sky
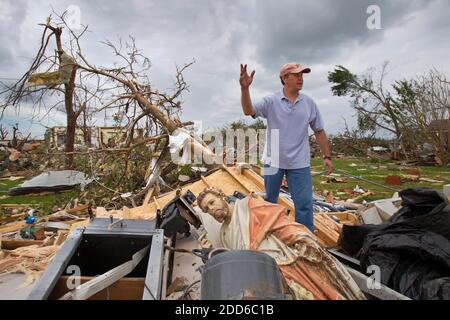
x,y
221,34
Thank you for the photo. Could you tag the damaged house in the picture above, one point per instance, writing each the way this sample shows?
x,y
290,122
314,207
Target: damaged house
x,y
97,137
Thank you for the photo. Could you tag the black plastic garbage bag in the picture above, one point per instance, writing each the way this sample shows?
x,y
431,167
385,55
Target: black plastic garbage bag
x,y
412,249
352,237
424,208
413,262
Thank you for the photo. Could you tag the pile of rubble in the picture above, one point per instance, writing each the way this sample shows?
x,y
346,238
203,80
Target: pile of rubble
x,y
30,242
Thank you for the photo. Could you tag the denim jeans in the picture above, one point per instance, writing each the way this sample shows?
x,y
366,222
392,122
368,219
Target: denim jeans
x,y
300,186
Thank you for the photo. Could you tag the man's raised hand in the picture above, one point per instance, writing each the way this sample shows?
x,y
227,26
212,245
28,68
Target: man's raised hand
x,y
245,80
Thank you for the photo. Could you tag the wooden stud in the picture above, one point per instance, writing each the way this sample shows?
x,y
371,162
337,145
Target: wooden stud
x,y
13,217
149,195
7,244
78,208
13,227
60,238
205,182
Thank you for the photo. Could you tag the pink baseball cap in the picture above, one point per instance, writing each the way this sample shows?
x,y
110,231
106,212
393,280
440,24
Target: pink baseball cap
x,y
293,67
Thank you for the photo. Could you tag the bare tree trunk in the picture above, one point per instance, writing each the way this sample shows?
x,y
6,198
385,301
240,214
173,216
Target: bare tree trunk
x,y
3,132
14,135
71,119
70,139
68,100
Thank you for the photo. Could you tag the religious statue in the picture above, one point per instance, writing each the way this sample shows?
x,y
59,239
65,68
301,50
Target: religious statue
x,y
254,224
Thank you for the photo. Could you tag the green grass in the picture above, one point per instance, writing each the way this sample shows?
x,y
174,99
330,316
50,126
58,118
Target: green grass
x,y
376,170
5,185
44,203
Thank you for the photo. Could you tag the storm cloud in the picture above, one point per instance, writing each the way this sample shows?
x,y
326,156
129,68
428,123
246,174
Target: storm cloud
x,y
221,34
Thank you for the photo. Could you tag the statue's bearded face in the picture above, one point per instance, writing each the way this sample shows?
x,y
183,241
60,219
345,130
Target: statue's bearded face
x,y
216,206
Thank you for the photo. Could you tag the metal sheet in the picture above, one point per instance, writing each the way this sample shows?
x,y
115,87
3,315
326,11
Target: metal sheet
x,y
153,279
52,181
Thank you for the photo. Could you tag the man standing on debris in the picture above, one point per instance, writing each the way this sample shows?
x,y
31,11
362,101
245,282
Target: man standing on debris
x,y
288,113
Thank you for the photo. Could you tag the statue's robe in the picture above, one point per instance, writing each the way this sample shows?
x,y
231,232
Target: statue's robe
x,y
310,271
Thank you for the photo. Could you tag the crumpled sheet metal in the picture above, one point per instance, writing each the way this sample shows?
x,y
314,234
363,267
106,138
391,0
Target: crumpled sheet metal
x,y
52,181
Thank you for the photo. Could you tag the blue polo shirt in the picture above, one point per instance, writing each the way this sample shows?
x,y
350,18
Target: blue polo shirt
x,y
287,143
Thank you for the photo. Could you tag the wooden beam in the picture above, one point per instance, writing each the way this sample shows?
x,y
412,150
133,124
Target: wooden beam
x,y
78,208
149,195
12,227
7,244
61,237
7,263
248,186
13,217
79,224
255,178
205,182
158,206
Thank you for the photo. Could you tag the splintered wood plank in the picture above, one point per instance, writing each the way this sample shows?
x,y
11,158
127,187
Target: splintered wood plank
x,y
204,181
254,177
219,179
223,180
149,195
79,208
7,244
82,223
7,263
100,211
248,184
141,212
344,217
12,227
326,231
257,169
158,207
126,212
61,237
13,217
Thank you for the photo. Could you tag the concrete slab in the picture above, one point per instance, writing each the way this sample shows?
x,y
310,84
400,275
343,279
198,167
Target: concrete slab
x,y
371,216
386,209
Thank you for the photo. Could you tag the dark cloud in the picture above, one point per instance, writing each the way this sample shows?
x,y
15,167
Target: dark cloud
x,y
316,31
12,14
220,34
